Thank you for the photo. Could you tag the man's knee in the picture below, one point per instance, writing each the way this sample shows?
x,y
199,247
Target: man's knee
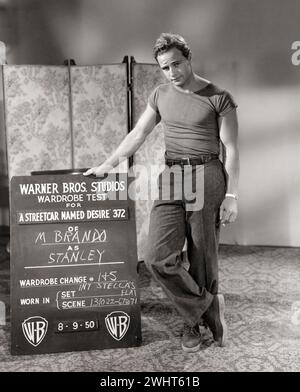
x,y
162,260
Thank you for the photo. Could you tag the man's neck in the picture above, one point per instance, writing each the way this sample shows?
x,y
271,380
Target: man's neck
x,y
195,83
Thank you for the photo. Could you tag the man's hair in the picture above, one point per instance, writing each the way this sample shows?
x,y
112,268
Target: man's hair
x,y
167,41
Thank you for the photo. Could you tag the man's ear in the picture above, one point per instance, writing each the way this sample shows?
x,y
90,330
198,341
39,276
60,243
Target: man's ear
x,y
190,56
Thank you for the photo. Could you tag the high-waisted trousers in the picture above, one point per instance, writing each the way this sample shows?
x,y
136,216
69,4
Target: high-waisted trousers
x,y
172,222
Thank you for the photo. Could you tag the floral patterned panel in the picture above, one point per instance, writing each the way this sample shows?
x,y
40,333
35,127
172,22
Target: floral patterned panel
x,y
2,131
37,118
100,110
151,155
4,218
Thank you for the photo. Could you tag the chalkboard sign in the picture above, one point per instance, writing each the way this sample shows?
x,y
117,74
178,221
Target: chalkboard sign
x,y
73,264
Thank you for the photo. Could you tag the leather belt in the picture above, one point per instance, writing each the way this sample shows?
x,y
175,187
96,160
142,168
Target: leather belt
x,y
191,161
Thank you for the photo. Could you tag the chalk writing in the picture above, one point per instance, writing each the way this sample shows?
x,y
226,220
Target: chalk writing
x,y
73,261
71,237
92,255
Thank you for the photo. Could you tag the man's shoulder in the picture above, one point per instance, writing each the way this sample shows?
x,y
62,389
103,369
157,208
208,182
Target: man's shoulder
x,y
159,92
221,98
163,87
215,89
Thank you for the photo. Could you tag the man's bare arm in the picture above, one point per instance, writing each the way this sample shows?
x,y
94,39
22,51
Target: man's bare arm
x,y
229,137
130,144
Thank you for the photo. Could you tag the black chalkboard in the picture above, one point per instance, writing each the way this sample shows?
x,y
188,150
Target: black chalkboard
x,y
73,264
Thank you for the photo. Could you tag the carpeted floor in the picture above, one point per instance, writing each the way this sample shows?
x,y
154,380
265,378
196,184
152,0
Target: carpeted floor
x,y
262,293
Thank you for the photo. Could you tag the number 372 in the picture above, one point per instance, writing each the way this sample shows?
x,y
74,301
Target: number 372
x,y
119,213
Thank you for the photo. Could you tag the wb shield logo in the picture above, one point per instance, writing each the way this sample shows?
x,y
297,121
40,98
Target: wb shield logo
x,y
117,324
35,329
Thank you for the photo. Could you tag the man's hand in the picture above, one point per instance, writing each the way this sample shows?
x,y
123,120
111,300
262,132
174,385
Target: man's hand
x,y
98,171
228,210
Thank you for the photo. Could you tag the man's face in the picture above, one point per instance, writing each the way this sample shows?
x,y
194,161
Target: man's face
x,y
176,68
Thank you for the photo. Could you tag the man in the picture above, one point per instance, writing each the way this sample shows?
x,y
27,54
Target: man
x,y
195,115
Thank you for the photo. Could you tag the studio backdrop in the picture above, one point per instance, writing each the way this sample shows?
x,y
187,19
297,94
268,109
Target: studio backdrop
x,y
71,117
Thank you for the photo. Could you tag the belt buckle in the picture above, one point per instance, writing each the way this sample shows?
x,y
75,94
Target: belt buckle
x,y
187,159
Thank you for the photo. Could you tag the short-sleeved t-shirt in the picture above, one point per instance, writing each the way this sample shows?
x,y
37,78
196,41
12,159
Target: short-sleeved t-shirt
x,y
190,119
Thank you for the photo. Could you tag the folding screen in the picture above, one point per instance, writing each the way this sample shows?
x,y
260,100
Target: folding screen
x,y
57,122
60,117
99,112
3,165
36,102
145,77
2,132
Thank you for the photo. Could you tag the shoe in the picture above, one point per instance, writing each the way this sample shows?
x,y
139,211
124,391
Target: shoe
x,y
214,318
191,338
